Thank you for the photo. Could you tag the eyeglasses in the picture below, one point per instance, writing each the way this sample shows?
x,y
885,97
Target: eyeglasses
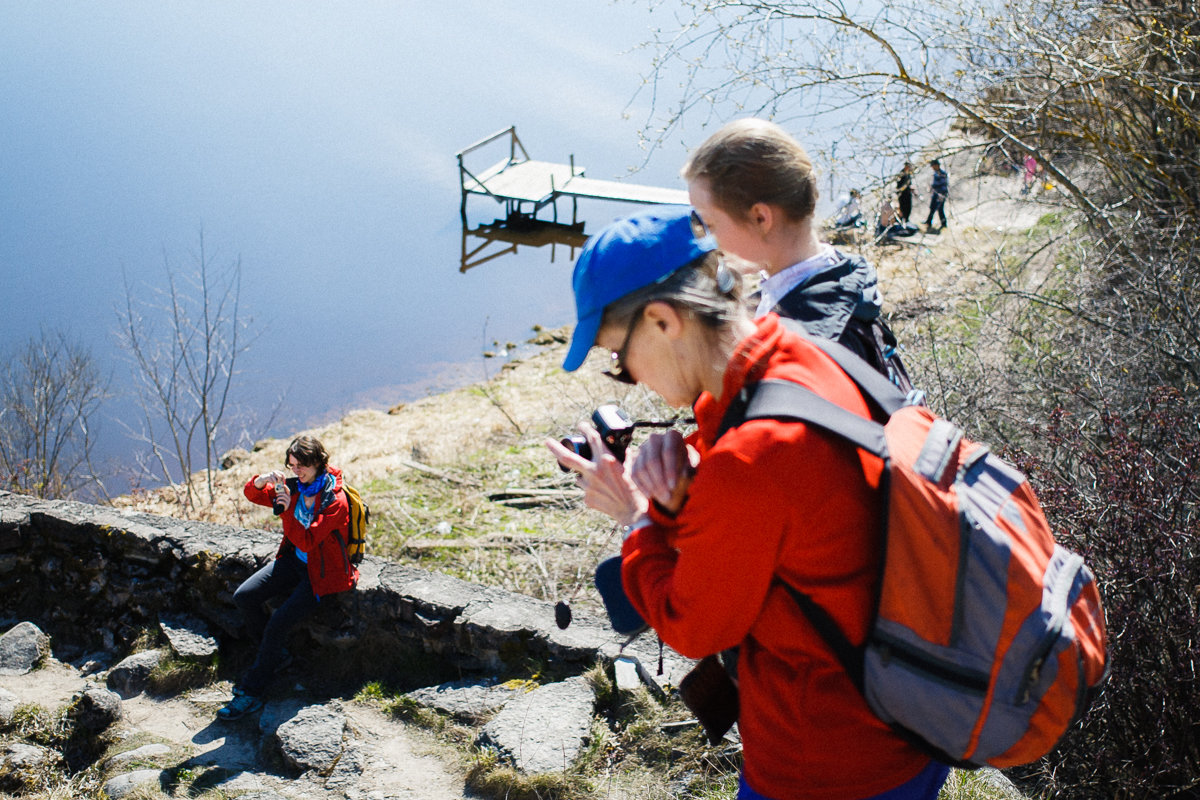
x,y
619,371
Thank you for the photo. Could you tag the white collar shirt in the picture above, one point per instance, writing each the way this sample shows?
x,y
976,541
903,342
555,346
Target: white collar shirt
x,y
775,287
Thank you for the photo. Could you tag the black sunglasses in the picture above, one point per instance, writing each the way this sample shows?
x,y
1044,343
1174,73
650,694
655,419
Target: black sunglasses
x,y
619,372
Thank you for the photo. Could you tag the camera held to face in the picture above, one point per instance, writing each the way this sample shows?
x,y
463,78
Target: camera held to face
x,y
615,428
280,503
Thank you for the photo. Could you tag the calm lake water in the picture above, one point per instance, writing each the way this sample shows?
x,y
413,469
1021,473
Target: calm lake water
x,y
315,143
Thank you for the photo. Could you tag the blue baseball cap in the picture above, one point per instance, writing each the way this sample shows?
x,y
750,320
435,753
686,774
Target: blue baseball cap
x,y
635,251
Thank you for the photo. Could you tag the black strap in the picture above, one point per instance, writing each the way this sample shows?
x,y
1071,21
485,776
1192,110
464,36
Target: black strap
x,y
876,387
787,400
849,656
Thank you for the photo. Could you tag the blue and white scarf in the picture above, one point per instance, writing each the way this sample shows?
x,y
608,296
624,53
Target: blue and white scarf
x,y
301,511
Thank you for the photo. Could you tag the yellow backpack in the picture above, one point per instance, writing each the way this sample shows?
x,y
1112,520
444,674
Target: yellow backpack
x,y
360,518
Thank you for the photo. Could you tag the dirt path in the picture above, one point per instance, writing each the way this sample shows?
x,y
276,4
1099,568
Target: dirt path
x,y
397,761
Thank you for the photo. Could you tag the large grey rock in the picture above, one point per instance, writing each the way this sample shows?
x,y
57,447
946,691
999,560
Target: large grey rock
x,y
20,764
468,701
544,730
312,739
188,636
95,709
129,677
116,788
22,648
19,756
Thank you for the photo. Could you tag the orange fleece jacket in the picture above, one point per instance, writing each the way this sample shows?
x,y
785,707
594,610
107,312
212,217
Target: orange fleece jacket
x,y
329,568
778,498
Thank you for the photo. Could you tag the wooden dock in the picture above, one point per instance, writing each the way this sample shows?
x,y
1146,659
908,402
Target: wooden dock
x,y
525,186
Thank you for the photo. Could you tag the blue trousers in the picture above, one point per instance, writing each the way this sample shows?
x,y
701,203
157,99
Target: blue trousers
x,y
287,575
925,786
937,206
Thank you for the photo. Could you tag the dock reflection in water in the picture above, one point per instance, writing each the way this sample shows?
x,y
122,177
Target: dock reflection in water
x,y
502,237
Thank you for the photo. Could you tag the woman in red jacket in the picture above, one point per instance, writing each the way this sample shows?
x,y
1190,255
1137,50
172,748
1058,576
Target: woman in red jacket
x,y
712,523
311,562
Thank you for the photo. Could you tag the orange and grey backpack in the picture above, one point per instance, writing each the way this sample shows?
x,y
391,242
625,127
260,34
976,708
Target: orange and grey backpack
x,y
988,641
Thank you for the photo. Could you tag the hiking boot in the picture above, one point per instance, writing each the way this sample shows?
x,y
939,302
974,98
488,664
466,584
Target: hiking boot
x,y
240,706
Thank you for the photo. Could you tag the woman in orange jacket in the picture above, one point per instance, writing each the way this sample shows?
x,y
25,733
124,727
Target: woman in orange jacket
x,y
311,563
713,523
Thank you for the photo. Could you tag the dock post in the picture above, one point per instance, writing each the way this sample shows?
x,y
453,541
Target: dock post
x,y
462,185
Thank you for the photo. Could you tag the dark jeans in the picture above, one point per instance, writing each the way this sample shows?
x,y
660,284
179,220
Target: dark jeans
x,y
287,575
937,205
905,205
926,786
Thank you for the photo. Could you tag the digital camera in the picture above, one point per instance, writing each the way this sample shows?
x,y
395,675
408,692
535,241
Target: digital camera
x,y
280,503
615,428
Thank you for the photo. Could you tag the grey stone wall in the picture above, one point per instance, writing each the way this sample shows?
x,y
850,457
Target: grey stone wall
x,y
97,577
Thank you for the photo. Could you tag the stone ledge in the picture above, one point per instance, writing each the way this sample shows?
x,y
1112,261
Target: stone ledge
x,y
96,577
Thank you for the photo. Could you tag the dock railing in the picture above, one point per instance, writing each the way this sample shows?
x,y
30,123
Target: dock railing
x,y
514,145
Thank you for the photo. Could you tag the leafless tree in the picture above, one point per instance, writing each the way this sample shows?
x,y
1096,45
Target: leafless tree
x,y
1105,94
1085,358
51,392
185,342
1112,82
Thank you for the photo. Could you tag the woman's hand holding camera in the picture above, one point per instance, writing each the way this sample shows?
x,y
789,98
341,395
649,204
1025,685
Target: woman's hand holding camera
x,y
664,468
606,485
275,476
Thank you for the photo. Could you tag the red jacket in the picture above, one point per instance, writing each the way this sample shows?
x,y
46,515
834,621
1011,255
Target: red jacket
x,y
777,498
329,568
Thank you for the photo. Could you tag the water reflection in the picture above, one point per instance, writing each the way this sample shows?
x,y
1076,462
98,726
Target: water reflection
x,y
503,236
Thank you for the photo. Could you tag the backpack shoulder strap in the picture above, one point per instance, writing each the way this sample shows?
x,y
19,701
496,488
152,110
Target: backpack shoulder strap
x,y
786,400
886,396
849,656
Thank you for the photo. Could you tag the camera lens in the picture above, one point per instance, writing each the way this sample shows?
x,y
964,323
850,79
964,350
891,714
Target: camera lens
x,y
577,445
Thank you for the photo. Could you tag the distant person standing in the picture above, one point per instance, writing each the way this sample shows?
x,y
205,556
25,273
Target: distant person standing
x,y
938,190
904,191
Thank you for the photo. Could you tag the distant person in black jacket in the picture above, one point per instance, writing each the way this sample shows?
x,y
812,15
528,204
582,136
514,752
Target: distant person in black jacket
x,y
904,192
939,189
754,188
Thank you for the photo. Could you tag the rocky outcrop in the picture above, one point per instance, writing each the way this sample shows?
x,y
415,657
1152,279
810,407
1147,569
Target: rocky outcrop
x,y
544,730
97,578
